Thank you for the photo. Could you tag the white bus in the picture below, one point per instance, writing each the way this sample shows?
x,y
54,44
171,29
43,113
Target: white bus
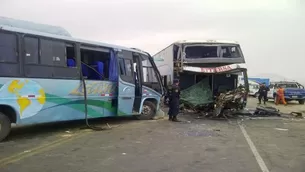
x,y
219,62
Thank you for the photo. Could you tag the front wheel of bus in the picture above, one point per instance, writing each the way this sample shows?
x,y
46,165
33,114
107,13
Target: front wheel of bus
x,y
5,126
148,111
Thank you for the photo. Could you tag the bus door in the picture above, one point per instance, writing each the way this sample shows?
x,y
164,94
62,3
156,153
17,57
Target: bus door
x,y
137,69
126,83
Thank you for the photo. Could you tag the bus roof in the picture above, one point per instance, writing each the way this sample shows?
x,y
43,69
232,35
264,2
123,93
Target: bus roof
x,y
206,41
65,38
200,42
57,30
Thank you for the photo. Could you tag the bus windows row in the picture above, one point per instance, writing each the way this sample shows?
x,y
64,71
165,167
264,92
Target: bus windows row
x,y
51,58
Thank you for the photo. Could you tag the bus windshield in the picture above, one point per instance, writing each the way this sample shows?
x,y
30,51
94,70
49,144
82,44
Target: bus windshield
x,y
212,51
150,77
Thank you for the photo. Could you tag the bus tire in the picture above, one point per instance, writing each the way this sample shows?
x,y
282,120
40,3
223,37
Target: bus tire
x,y
5,126
301,102
148,111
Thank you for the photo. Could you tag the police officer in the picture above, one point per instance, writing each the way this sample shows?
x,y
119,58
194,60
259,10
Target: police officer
x,y
174,95
263,91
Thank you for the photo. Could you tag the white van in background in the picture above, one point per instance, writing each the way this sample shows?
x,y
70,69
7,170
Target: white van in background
x,y
253,88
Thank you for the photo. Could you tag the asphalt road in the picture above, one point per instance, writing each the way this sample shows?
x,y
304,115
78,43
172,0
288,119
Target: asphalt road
x,y
276,144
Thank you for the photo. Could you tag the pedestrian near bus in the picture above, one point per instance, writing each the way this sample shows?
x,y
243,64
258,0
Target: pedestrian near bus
x,y
263,92
280,96
174,96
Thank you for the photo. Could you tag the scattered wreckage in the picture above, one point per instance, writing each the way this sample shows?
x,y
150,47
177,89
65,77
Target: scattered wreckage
x,y
227,104
199,98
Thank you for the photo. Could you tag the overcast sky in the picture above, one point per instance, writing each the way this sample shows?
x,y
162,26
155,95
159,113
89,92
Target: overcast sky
x,y
271,32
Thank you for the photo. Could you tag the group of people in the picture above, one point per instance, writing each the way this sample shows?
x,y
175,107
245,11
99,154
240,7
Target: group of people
x,y
263,92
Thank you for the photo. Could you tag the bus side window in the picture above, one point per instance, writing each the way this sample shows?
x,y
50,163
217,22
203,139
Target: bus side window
x,y
70,56
126,70
46,58
31,50
52,53
8,47
9,63
64,60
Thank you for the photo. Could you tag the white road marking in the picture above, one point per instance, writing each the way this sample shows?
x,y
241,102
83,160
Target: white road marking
x,y
258,158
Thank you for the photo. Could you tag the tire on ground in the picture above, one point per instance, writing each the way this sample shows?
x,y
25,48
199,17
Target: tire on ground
x,y
150,114
5,126
301,102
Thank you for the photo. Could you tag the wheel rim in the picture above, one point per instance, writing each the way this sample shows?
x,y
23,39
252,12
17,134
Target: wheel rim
x,y
146,110
0,127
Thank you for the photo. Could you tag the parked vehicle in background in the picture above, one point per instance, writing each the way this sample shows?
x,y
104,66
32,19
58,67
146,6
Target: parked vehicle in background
x,y
294,91
260,80
253,88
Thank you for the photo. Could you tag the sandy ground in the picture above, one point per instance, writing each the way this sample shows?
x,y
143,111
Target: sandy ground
x,y
160,145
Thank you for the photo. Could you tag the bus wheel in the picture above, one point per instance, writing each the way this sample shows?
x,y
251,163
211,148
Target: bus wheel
x,y
301,102
5,126
148,111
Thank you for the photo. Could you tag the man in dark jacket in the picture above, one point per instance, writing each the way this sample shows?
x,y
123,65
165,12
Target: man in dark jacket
x,y
174,96
263,91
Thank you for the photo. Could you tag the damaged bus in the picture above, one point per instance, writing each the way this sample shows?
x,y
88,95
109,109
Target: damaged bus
x,y
205,69
48,76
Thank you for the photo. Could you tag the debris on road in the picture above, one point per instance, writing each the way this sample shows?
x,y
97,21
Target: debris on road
x,y
229,102
297,114
266,111
281,129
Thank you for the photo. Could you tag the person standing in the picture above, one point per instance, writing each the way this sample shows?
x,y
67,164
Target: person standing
x,y
263,92
174,96
280,96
